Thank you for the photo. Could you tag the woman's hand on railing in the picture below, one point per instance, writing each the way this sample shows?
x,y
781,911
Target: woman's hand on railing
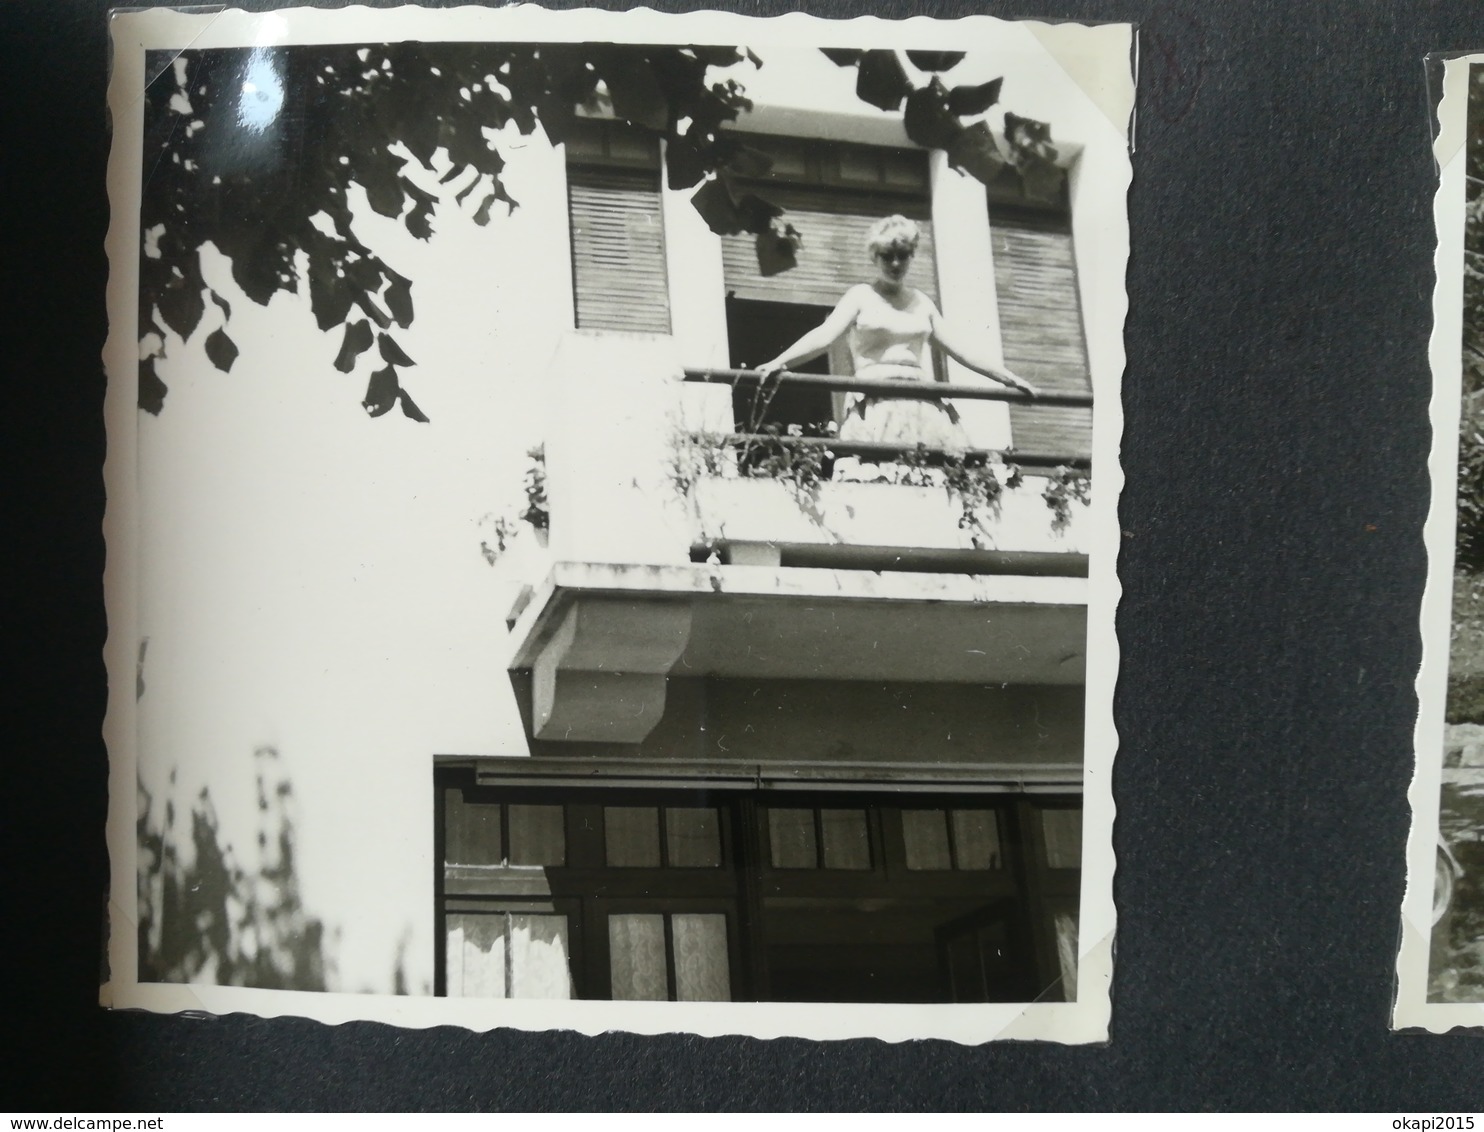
x,y
1019,383
769,369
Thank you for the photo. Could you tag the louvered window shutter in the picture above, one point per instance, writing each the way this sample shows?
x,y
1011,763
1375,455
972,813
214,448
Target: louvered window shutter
x,y
1041,326
618,251
833,256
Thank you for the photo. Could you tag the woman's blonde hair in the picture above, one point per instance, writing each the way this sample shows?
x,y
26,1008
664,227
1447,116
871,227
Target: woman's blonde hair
x,y
892,230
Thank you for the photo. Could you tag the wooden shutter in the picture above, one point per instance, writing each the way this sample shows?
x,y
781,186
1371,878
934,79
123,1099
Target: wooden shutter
x,y
618,251
1041,326
833,257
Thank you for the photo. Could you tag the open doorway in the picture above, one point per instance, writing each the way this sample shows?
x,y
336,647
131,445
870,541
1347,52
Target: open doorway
x,y
758,330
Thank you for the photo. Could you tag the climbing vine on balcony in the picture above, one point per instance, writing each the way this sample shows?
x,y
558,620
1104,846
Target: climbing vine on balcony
x,y
1067,486
976,482
771,451
536,513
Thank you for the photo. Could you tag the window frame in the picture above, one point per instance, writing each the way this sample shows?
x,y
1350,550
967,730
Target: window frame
x,y
596,160
745,887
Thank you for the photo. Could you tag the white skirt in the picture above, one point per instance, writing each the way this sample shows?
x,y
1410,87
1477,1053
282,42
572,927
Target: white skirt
x,y
901,421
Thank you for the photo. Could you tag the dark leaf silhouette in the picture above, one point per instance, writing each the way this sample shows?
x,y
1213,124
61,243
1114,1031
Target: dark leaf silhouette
x,y
381,392
1025,132
391,352
357,340
637,96
977,154
720,56
749,162
331,294
881,81
482,213
275,196
685,164
970,100
777,250
221,350
205,916
937,61
714,202
1034,156
410,409
756,213
842,56
398,299
151,389
181,304
1042,180
929,121
419,219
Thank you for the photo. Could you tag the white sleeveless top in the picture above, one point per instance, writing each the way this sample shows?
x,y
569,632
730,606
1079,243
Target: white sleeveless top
x,y
887,341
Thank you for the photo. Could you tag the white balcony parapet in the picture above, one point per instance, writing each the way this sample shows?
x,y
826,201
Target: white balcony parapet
x,y
886,523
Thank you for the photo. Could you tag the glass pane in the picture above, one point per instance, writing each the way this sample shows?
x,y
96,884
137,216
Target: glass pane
x,y
1066,953
964,969
788,160
471,830
701,971
857,165
476,955
904,169
1062,830
537,836
538,957
631,836
634,146
976,839
846,844
925,833
791,838
994,947
580,143
636,957
693,837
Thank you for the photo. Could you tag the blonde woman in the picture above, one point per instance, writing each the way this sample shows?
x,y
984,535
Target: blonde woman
x,y
890,327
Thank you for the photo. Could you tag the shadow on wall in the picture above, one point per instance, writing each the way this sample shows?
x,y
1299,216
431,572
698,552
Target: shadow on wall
x,y
204,918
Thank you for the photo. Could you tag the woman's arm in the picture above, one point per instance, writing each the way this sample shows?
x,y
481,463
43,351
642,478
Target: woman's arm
x,y
942,337
820,339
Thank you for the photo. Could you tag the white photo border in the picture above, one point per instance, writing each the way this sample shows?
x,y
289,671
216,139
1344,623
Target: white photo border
x,y
1109,88
1412,1008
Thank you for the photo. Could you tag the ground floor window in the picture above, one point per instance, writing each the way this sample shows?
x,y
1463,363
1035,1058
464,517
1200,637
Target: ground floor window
x,y
586,891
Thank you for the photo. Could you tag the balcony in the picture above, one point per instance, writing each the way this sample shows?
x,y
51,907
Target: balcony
x,y
774,499
678,553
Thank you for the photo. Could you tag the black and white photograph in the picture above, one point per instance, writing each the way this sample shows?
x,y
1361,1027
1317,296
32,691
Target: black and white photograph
x,y
612,524
1441,966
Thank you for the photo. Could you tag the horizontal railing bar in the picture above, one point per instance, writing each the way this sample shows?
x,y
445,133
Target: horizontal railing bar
x,y
923,390
877,450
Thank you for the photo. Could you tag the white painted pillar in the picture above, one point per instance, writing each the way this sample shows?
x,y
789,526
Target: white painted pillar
x,y
610,450
698,309
966,287
698,315
1096,211
563,296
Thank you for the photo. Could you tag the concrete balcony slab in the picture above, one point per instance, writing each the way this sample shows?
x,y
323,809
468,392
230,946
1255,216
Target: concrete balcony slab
x,y
600,639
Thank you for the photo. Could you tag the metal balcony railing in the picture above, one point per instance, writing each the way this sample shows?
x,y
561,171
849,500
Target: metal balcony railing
x,y
913,390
